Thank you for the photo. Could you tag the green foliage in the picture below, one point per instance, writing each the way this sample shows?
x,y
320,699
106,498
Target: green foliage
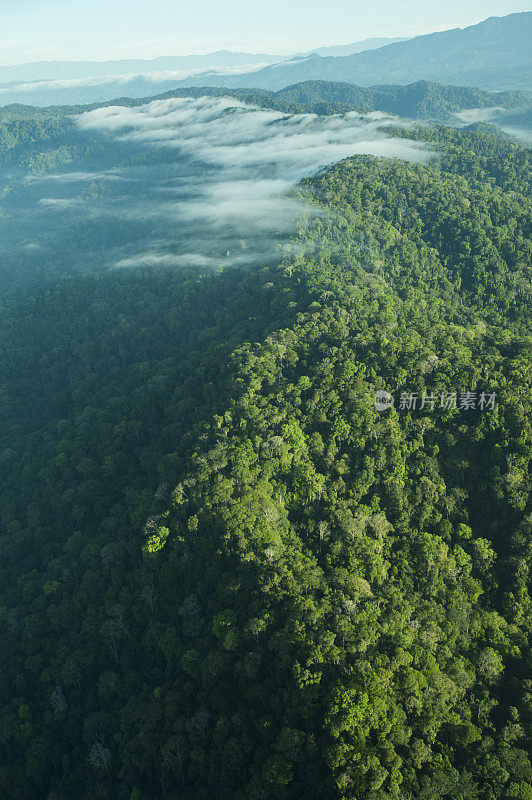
x,y
156,541
225,573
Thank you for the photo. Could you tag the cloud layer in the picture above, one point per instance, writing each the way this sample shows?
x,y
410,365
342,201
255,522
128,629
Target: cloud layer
x,y
97,88
231,165
501,117
182,182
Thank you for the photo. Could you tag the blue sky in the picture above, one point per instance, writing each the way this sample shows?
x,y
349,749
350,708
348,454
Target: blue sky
x,y
32,30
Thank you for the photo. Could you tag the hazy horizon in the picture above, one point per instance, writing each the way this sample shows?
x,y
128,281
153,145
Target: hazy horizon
x,y
78,32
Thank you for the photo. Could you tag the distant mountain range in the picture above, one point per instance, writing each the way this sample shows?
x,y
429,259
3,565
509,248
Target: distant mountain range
x,y
495,54
357,47
72,70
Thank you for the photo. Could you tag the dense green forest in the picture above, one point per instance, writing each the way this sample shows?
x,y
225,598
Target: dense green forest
x,y
225,573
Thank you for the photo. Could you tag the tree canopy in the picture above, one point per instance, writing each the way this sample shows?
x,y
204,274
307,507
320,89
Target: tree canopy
x,y
225,573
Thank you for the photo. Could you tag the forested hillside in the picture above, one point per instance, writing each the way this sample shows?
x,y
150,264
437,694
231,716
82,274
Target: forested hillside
x,y
421,100
225,572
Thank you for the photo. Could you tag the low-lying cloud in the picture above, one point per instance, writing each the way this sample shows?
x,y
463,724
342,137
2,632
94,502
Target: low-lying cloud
x,y
502,117
232,165
75,177
96,88
183,182
230,134
470,115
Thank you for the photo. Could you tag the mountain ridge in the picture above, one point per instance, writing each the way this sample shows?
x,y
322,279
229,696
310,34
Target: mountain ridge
x,y
461,55
422,99
58,69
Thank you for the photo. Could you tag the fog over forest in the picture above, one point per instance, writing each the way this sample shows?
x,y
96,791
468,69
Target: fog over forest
x,y
203,182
